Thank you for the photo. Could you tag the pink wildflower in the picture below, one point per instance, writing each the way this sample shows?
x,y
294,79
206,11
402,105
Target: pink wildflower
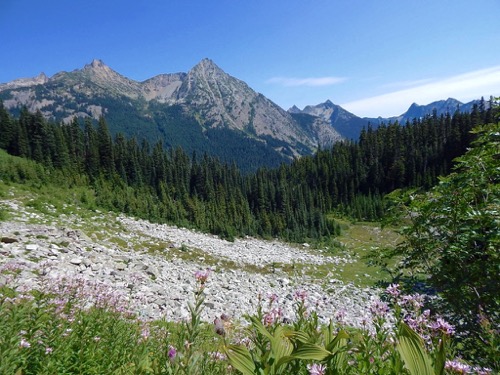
x,y
273,297
217,356
272,316
340,316
24,343
393,290
415,300
219,327
441,325
379,308
457,367
202,276
145,333
316,369
172,353
300,295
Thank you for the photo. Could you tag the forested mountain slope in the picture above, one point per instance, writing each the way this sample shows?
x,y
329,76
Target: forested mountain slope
x,y
203,110
291,201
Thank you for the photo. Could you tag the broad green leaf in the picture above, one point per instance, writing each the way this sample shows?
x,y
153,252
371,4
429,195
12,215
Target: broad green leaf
x,y
260,327
411,348
284,360
239,357
302,336
312,352
339,341
281,345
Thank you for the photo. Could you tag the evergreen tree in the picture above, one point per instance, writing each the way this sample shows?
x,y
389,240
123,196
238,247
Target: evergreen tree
x,y
91,151
105,148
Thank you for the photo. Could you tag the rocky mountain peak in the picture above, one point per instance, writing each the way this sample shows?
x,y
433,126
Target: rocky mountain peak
x,y
41,78
101,77
25,82
96,64
205,64
206,94
207,70
98,68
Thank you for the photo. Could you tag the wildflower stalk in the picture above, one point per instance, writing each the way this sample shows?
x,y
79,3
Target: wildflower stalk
x,y
192,327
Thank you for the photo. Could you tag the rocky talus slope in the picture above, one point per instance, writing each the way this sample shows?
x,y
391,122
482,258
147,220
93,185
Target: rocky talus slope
x,y
153,265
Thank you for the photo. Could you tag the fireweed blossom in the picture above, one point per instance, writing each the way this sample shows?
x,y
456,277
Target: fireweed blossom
x,y
316,369
24,343
272,316
393,290
300,295
273,298
172,353
440,325
202,276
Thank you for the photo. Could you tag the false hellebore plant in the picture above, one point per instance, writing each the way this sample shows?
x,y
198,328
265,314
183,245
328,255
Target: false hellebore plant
x,y
404,341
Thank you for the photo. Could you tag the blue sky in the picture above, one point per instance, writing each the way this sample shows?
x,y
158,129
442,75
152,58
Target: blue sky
x,y
373,57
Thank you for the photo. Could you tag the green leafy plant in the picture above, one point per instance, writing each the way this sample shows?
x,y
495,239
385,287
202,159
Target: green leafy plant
x,y
453,236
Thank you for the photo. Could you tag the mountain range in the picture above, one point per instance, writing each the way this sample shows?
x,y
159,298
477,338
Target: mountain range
x,y
349,125
204,110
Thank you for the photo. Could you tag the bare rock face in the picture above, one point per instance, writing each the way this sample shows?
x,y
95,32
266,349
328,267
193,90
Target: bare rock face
x,y
25,82
163,87
226,101
208,94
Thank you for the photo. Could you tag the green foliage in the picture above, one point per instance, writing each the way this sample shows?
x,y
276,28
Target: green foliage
x,y
68,328
412,350
292,202
453,234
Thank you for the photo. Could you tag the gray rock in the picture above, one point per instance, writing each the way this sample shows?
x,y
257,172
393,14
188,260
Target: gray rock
x,y
121,266
162,287
76,261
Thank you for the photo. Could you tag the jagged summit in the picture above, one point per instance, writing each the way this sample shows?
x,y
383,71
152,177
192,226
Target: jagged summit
x,y
203,109
449,105
294,109
25,82
98,67
206,62
96,64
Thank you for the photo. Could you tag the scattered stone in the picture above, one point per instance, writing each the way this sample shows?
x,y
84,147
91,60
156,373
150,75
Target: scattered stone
x,y
8,240
160,285
76,261
121,266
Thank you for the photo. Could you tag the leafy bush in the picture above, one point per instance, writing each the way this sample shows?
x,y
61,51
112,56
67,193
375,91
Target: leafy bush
x,y
453,236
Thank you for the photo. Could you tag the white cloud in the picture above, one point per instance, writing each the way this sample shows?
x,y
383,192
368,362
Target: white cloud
x,y
311,81
463,87
407,84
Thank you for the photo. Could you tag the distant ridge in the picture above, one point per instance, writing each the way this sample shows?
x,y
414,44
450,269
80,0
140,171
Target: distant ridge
x,y
203,110
350,125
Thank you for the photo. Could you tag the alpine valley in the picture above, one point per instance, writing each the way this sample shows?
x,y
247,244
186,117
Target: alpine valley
x,y
202,111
